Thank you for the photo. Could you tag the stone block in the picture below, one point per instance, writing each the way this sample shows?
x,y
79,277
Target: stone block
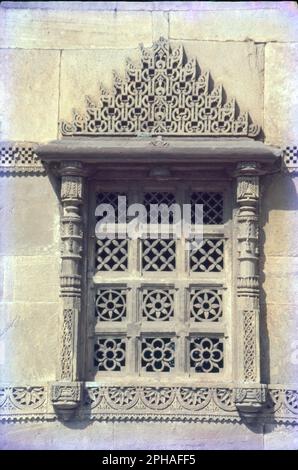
x,y
259,25
30,216
280,96
29,91
239,67
29,336
281,437
279,279
160,25
279,216
58,29
31,279
148,6
145,436
55,435
279,342
83,71
188,436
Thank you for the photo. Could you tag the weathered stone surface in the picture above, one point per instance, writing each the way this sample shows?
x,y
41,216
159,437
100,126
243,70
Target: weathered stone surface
x,y
29,90
131,435
279,342
30,214
83,71
29,338
239,67
160,25
279,216
58,29
200,436
281,98
164,6
237,25
280,438
31,278
279,278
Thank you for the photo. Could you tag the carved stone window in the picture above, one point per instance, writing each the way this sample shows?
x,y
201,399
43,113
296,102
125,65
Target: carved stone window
x,y
157,307
151,309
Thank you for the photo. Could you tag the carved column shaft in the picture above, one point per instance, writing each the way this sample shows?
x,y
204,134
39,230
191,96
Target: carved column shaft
x,y
251,395
67,392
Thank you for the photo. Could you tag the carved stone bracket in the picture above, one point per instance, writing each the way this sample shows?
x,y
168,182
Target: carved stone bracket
x,y
66,394
66,397
250,400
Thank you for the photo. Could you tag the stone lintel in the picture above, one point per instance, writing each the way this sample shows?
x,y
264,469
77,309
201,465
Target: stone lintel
x,y
159,149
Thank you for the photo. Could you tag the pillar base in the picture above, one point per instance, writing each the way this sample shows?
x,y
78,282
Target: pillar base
x,y
66,397
250,400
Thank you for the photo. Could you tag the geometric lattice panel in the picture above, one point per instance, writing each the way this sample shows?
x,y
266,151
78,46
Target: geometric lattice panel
x,y
110,304
212,207
206,354
112,255
205,305
112,199
165,200
158,255
109,354
158,354
157,304
207,256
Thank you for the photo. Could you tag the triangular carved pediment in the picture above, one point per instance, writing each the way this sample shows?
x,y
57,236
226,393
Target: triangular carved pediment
x,y
164,95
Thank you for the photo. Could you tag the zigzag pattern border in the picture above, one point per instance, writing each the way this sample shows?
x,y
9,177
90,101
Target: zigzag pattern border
x,y
19,158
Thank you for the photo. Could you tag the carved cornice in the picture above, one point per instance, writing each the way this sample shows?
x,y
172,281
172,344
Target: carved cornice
x,y
19,158
116,403
163,95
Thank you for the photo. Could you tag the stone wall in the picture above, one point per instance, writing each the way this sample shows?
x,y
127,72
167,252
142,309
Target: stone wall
x,y
51,55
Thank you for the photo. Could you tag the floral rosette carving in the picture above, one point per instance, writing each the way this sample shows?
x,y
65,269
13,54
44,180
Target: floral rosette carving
x,y
3,396
93,397
157,398
291,400
274,400
121,398
194,399
27,397
225,398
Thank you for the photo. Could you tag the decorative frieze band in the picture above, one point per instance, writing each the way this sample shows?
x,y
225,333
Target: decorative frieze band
x,y
19,158
290,157
116,403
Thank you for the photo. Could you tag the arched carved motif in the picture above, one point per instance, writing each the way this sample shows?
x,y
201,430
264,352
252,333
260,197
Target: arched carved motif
x,y
164,95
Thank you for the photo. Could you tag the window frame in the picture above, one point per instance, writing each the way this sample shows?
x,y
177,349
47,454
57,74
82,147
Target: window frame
x,y
132,374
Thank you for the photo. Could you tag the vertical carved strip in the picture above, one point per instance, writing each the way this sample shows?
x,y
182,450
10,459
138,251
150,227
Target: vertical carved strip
x,y
249,345
66,393
251,395
67,344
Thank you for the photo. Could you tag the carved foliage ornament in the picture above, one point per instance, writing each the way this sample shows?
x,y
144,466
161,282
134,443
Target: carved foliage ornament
x,y
163,95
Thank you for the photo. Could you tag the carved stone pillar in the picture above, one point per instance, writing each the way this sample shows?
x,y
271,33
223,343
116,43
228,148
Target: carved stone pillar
x,y
250,395
66,393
